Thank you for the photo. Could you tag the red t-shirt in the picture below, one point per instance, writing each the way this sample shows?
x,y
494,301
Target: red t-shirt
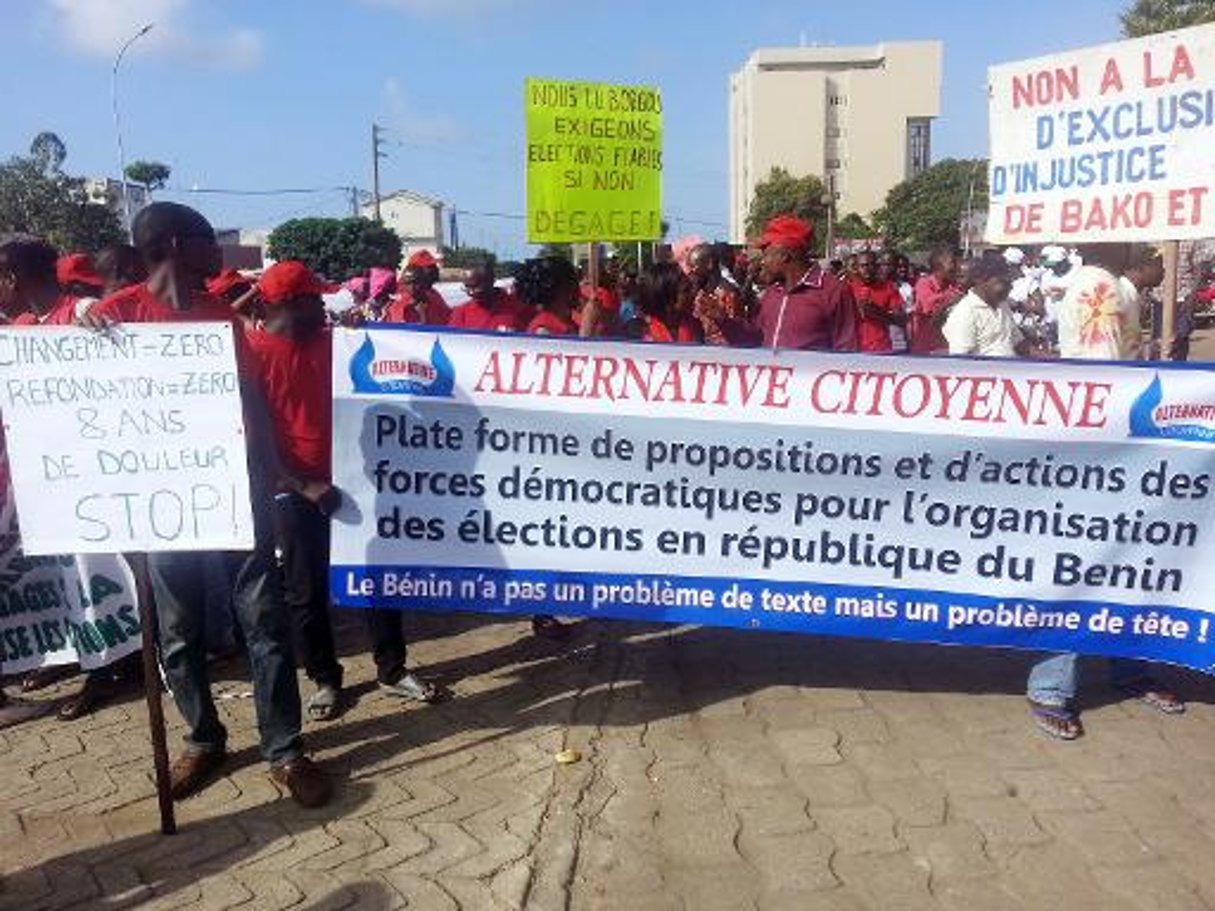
x,y
507,314
545,323
63,313
137,304
873,335
657,331
402,309
608,299
295,377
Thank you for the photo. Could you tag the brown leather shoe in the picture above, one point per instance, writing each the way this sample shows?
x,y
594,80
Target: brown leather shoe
x,y
193,769
304,779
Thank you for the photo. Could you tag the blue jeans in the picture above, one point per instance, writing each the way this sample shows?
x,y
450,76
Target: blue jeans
x,y
179,581
1055,680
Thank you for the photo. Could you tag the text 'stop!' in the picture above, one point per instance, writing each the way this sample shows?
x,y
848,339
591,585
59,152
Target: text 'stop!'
x,y
1110,143
594,162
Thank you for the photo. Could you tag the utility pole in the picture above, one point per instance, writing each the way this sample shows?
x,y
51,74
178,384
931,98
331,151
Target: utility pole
x,y
376,155
354,201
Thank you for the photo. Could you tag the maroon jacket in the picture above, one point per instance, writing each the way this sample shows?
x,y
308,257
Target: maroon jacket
x,y
819,315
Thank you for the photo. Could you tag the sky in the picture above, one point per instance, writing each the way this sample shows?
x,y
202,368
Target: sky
x,y
281,94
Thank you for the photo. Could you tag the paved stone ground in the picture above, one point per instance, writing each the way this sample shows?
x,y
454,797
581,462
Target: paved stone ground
x,y
721,770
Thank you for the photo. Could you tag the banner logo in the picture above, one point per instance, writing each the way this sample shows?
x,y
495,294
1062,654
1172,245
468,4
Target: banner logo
x,y
433,376
1153,418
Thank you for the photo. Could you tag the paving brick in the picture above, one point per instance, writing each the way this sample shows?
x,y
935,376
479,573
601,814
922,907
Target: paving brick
x,y
867,829
1003,821
889,882
950,852
1101,836
913,801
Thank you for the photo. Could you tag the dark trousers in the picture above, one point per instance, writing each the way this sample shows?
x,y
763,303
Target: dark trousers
x,y
179,581
303,543
303,546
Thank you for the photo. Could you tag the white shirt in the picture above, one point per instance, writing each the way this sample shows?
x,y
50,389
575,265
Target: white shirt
x,y
1099,317
976,327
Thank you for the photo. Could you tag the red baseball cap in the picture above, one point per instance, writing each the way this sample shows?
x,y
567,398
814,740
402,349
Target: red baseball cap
x,y
423,259
787,231
289,279
77,269
226,281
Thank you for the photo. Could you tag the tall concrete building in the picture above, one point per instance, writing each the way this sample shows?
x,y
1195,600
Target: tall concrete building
x,y
858,117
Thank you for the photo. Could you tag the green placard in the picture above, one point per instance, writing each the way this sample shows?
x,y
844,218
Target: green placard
x,y
594,162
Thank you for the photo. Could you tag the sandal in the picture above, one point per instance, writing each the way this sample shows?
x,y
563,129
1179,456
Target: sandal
x,y
323,704
97,690
1153,696
412,687
1057,721
43,677
547,627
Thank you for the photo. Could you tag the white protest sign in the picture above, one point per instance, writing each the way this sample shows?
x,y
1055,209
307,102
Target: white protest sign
x,y
1109,143
128,441
1035,504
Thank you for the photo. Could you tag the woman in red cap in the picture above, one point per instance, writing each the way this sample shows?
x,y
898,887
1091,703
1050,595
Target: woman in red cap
x,y
418,301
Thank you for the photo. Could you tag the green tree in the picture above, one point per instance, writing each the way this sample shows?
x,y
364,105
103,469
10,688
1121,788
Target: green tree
x,y
783,194
36,197
336,248
465,257
927,210
151,175
1147,17
48,151
853,227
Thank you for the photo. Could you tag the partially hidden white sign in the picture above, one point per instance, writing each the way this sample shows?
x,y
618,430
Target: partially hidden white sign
x,y
128,441
1109,143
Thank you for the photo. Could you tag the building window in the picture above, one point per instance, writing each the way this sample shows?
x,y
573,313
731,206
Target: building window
x,y
838,101
919,145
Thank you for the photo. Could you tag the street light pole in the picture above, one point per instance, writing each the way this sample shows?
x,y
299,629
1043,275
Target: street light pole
x,y
122,158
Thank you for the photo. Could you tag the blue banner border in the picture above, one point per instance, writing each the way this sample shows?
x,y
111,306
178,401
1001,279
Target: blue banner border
x,y
363,587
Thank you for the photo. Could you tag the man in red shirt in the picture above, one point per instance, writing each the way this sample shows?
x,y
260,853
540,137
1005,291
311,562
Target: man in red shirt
x,y
934,294
802,307
29,289
489,308
879,306
179,247
418,301
292,360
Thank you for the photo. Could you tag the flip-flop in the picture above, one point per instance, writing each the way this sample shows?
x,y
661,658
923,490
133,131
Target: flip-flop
x,y
410,686
323,704
1057,721
1161,700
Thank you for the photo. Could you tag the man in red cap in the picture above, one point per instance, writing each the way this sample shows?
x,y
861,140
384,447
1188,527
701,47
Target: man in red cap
x,y
179,246
803,307
292,359
418,301
77,275
230,285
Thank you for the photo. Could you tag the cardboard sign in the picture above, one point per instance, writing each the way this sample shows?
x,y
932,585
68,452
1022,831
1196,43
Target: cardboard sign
x,y
131,441
1110,143
594,162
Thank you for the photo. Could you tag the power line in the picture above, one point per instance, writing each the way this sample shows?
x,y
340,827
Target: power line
x,y
279,192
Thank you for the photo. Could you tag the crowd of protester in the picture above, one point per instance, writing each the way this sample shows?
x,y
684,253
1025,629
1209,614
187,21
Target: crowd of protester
x,y
775,293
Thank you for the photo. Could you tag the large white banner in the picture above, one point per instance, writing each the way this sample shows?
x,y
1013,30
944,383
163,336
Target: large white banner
x,y
1035,504
127,441
1109,143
